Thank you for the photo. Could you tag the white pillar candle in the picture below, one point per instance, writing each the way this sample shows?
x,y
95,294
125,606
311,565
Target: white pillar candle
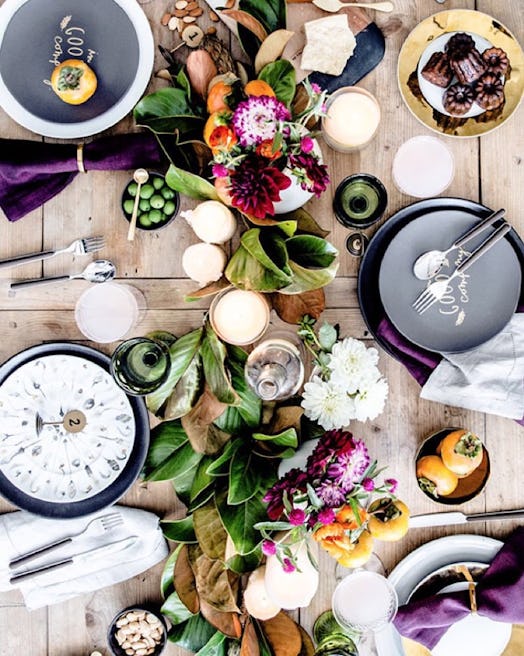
x,y
238,316
352,118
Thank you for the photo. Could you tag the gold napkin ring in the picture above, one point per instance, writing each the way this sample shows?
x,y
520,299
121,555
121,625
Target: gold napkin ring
x,y
80,158
462,569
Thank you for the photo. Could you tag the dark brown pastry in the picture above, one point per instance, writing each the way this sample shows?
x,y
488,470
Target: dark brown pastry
x,y
460,44
437,70
467,67
496,60
489,91
458,99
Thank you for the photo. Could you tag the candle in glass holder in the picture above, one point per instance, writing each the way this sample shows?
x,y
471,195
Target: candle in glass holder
x,y
352,118
238,316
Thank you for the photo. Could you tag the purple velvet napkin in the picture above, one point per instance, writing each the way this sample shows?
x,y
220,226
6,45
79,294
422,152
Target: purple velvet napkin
x,y
32,172
499,593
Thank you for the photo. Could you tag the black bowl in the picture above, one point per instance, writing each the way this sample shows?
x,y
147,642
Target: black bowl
x,y
144,221
112,641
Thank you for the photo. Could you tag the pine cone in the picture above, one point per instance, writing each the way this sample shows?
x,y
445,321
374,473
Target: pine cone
x,y
219,53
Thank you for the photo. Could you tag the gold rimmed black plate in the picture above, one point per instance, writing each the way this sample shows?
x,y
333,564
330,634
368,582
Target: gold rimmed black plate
x,y
416,45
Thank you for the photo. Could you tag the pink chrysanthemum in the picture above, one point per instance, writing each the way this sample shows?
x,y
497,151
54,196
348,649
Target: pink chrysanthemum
x,y
257,118
331,493
349,468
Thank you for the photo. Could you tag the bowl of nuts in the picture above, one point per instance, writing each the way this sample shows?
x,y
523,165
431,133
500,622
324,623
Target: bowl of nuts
x,y
137,631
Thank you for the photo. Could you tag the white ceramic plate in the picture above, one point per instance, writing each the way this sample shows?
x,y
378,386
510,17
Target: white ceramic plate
x,y
112,36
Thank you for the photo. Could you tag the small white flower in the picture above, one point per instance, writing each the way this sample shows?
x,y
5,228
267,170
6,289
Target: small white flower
x,y
370,400
327,403
352,364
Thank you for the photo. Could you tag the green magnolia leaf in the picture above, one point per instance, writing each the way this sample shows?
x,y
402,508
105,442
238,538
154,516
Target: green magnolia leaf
x,y
215,646
269,248
211,534
179,530
175,610
244,477
180,464
166,111
182,353
193,634
212,581
327,336
272,15
305,222
203,481
288,227
245,272
184,83
247,563
190,184
220,465
310,251
186,391
168,573
249,410
239,521
307,279
214,355
281,77
285,438
166,438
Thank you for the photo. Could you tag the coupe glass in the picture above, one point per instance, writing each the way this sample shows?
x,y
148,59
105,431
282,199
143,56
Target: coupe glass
x,y
140,365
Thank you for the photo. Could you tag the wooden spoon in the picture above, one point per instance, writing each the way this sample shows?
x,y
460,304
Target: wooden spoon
x,y
335,5
140,176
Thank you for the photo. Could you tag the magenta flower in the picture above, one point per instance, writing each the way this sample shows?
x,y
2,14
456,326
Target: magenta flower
x,y
288,566
294,481
297,517
315,88
269,548
393,484
331,493
255,186
348,468
326,516
257,119
368,484
331,444
220,171
306,144
311,174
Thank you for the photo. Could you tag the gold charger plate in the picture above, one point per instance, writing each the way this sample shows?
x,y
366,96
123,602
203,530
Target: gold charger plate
x,y
459,20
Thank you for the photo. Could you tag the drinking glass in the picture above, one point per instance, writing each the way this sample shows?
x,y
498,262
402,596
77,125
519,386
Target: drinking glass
x,y
140,365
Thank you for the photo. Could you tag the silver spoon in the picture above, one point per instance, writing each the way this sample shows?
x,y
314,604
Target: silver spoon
x,y
335,5
97,271
429,264
140,176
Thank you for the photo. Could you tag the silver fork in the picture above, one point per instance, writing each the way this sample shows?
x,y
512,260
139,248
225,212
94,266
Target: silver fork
x,y
97,526
78,247
437,289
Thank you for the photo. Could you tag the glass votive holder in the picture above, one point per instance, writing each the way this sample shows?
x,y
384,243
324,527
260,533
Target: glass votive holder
x,y
352,119
106,312
274,369
423,167
360,200
140,365
238,316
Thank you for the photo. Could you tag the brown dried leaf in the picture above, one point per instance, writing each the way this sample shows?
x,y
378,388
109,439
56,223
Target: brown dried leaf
x,y
249,645
212,581
283,635
201,70
184,581
204,437
285,417
308,647
271,48
209,530
292,307
227,623
208,290
248,21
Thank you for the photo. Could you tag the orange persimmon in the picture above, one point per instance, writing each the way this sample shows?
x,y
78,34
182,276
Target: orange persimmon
x,y
73,81
388,519
434,477
461,451
359,553
222,138
346,517
216,97
259,88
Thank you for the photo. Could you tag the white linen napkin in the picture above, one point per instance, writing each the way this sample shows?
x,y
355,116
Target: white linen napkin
x,y
21,532
489,378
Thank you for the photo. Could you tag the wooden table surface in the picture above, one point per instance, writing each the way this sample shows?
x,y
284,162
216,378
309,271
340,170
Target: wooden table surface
x,y
489,170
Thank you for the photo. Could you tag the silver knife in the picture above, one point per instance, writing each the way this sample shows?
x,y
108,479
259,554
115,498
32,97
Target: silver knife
x,y
119,545
456,517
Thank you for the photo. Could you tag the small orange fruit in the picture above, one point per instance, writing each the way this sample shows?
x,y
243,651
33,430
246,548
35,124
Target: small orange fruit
x,y
360,553
73,81
215,120
434,477
216,97
259,88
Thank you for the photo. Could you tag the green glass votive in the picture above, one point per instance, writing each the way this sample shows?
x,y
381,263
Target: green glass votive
x,y
140,365
360,200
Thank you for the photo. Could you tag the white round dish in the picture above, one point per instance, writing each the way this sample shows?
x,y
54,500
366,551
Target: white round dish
x,y
60,32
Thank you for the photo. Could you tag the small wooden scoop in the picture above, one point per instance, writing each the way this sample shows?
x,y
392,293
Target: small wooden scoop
x,y
335,5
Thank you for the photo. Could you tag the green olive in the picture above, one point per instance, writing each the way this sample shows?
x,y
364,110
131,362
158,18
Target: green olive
x,y
144,205
158,183
147,191
128,206
167,193
169,208
157,202
144,220
155,216
132,188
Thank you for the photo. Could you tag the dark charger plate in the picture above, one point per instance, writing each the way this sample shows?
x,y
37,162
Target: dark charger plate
x,y
112,36
370,300
119,486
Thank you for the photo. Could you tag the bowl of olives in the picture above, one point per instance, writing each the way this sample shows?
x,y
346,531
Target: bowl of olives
x,y
158,204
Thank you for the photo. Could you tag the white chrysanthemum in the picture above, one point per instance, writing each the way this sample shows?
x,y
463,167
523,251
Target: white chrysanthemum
x,y
327,403
352,364
370,400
